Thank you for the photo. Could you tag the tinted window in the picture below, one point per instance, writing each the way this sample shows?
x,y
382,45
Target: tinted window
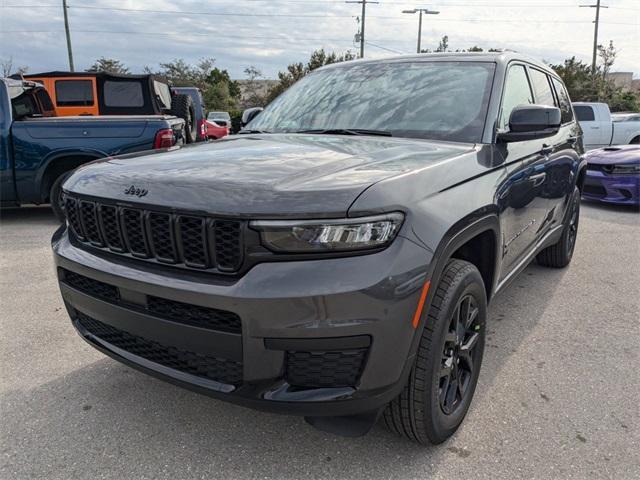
x,y
565,101
24,106
516,92
123,94
584,113
438,100
74,93
541,87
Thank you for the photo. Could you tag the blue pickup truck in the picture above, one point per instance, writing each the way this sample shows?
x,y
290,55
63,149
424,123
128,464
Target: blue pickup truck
x,y
38,150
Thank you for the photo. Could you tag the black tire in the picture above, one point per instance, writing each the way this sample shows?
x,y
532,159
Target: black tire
x,y
559,254
55,197
421,412
182,107
635,140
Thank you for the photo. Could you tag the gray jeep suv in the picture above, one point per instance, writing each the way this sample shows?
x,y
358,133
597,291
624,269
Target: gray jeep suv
x,y
336,259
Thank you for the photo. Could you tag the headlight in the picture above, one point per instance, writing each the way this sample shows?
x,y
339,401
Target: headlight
x,y
329,235
625,169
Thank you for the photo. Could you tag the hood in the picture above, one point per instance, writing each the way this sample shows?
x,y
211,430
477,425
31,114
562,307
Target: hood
x,y
260,175
618,155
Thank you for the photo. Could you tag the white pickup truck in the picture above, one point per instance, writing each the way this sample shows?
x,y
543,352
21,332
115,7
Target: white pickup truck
x,y
599,130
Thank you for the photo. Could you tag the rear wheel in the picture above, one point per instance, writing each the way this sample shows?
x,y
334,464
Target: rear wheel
x,y
182,107
443,379
559,254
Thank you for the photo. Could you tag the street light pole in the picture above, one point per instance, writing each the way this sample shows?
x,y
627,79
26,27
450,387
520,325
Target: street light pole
x,y
426,11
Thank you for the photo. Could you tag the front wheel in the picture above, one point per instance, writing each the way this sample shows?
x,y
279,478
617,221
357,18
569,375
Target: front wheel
x,y
443,379
559,254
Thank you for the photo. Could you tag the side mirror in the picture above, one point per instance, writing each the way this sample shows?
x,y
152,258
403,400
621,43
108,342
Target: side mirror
x,y
529,122
249,114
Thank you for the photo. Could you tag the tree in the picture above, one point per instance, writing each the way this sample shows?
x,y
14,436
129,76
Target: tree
x,y
253,92
296,71
8,69
443,45
587,86
109,65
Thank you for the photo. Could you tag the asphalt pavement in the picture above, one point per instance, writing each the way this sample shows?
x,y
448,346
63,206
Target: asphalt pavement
x,y
557,397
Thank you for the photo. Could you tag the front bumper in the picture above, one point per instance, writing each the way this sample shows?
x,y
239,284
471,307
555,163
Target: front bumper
x,y
324,337
618,189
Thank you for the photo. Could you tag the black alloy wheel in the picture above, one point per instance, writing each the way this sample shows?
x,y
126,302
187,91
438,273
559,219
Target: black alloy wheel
x,y
459,355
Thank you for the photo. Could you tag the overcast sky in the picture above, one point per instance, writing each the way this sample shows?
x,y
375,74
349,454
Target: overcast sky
x,y
270,34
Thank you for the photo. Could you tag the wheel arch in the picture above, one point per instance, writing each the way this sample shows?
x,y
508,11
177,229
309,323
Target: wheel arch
x,y
61,164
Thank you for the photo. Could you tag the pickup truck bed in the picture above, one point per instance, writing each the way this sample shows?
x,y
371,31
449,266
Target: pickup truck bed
x,y
36,150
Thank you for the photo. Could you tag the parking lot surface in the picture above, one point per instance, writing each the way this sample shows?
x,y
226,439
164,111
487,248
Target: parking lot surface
x,y
557,397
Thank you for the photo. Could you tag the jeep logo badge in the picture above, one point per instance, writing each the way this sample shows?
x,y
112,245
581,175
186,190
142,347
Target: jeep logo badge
x,y
138,192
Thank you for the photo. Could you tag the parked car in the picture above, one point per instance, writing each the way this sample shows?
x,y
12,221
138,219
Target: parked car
x,y
335,259
101,93
216,131
38,150
198,107
599,130
221,118
613,175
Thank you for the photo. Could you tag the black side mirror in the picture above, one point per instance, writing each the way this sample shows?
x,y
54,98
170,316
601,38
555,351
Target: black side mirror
x,y
529,122
249,114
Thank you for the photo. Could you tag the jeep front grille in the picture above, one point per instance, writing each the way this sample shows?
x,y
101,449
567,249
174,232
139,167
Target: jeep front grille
x,y
183,240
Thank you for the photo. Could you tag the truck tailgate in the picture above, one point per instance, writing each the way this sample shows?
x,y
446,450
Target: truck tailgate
x,y
87,129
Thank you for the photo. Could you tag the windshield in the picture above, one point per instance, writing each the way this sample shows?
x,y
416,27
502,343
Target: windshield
x,y
435,100
223,115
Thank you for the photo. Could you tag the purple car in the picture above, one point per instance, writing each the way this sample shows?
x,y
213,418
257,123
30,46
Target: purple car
x,y
613,175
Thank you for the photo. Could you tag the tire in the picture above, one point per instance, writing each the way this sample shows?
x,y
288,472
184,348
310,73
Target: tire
x,y
635,140
424,412
559,254
182,107
55,197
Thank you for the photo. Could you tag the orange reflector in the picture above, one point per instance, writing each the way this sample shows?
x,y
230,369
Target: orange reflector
x,y
423,297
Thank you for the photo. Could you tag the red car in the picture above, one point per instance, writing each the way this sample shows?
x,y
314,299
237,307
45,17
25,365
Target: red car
x,y
215,131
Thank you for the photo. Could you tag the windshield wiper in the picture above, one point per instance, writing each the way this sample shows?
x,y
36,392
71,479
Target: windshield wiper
x,y
347,131
242,132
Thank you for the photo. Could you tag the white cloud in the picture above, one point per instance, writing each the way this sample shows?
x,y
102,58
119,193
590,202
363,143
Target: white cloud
x,y
545,29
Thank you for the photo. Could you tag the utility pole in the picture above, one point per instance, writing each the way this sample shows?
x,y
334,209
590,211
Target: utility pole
x,y
66,29
597,6
364,10
426,11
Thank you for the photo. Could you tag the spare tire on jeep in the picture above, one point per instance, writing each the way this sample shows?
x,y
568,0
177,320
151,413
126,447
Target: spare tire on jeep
x,y
182,107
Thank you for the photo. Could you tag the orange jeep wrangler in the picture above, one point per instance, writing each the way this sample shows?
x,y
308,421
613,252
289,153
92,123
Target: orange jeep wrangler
x,y
101,93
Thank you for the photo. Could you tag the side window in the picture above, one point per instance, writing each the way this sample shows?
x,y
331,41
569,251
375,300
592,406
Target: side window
x,y
74,93
584,113
541,87
517,91
123,94
565,101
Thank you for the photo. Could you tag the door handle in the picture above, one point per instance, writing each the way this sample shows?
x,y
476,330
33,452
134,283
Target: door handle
x,y
538,179
595,128
546,149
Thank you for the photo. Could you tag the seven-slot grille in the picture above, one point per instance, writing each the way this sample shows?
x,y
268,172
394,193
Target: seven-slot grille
x,y
190,241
